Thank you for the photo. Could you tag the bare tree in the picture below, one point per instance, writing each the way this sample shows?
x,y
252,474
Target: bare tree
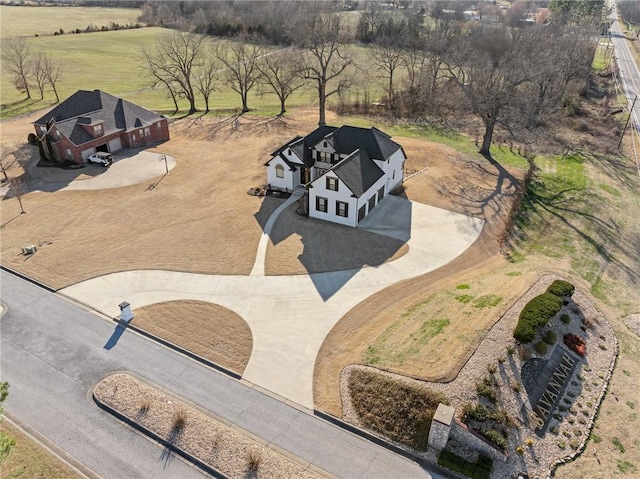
x,y
7,160
53,72
280,75
173,61
159,77
387,57
17,189
488,66
322,36
240,59
38,73
206,77
16,59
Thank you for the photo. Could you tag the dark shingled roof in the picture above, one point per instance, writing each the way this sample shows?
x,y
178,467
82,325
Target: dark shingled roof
x,y
90,107
358,172
348,139
302,148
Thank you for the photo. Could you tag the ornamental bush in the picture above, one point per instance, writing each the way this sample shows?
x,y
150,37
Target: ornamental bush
x,y
561,288
535,315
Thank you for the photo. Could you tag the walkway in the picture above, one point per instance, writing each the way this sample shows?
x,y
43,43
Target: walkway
x,y
290,316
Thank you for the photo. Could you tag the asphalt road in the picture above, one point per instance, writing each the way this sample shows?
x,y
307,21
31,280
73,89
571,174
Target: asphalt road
x,y
629,72
53,352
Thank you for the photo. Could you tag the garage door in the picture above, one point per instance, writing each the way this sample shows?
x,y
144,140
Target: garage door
x,y
115,145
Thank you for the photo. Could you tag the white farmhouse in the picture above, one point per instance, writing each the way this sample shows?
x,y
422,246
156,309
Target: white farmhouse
x,y
347,171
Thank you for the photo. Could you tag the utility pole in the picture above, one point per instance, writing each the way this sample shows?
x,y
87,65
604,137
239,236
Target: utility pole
x,y
627,123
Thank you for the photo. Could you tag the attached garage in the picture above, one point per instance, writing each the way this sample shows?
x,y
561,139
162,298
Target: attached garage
x,y
115,145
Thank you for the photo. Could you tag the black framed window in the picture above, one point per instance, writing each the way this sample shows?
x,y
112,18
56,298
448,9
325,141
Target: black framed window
x,y
321,204
342,209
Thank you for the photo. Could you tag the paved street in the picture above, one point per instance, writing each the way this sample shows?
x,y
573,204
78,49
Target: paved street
x,y
53,353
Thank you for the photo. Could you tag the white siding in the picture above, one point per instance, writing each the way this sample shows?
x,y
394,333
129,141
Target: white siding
x,y
373,191
343,194
396,162
291,178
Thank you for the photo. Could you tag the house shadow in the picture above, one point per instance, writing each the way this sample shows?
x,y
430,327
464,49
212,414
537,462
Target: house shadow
x,y
332,254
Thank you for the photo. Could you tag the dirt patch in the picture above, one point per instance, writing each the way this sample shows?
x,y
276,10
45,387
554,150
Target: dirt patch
x,y
197,219
208,330
223,448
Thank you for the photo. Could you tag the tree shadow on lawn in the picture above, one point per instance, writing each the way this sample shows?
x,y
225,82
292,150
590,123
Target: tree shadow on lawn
x,y
568,206
483,201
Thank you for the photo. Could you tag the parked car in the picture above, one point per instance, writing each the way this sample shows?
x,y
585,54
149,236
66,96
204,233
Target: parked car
x,y
101,158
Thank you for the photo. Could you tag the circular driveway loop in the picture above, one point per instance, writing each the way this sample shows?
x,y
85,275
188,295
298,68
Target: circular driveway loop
x,y
290,316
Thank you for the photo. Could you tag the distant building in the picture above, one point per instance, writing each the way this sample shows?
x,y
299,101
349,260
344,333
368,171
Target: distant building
x,y
92,121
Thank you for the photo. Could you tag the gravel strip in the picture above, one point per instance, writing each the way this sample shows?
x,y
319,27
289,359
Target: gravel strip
x,y
583,394
214,443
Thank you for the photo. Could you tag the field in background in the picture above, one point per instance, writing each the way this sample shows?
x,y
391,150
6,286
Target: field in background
x,y
25,21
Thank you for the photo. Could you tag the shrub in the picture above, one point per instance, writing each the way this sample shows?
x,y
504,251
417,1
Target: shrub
x,y
524,333
575,343
519,450
541,348
561,288
565,318
485,462
550,337
485,388
511,350
254,457
496,437
491,368
179,420
536,314
616,442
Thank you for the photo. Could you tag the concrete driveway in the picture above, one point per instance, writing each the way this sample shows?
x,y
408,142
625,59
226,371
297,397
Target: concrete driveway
x,y
129,167
290,316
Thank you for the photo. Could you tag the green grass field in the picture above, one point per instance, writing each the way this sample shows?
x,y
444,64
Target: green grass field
x,y
19,21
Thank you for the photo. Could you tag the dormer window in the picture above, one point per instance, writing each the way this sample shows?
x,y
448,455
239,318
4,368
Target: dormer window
x,y
324,144
97,130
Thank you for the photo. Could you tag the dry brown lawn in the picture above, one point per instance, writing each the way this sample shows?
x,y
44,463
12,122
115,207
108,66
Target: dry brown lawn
x,y
198,219
208,330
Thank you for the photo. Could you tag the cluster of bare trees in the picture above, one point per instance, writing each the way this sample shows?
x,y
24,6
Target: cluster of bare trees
x,y
515,78
30,69
509,77
187,63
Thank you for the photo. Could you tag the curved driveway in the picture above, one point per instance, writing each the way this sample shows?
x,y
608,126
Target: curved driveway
x,y
290,316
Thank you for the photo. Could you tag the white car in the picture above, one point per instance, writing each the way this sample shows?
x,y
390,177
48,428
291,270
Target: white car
x,y
101,158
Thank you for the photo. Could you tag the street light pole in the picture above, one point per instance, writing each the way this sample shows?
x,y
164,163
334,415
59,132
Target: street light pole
x,y
627,123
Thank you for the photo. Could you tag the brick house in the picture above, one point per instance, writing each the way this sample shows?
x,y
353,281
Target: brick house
x,y
91,121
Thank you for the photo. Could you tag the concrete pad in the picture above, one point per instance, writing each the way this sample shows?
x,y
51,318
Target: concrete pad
x,y
290,316
130,167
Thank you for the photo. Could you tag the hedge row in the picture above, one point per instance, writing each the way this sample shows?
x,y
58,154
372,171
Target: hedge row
x,y
561,288
481,470
536,314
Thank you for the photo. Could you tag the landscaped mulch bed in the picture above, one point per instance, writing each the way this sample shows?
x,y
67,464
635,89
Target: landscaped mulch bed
x,y
570,428
223,448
